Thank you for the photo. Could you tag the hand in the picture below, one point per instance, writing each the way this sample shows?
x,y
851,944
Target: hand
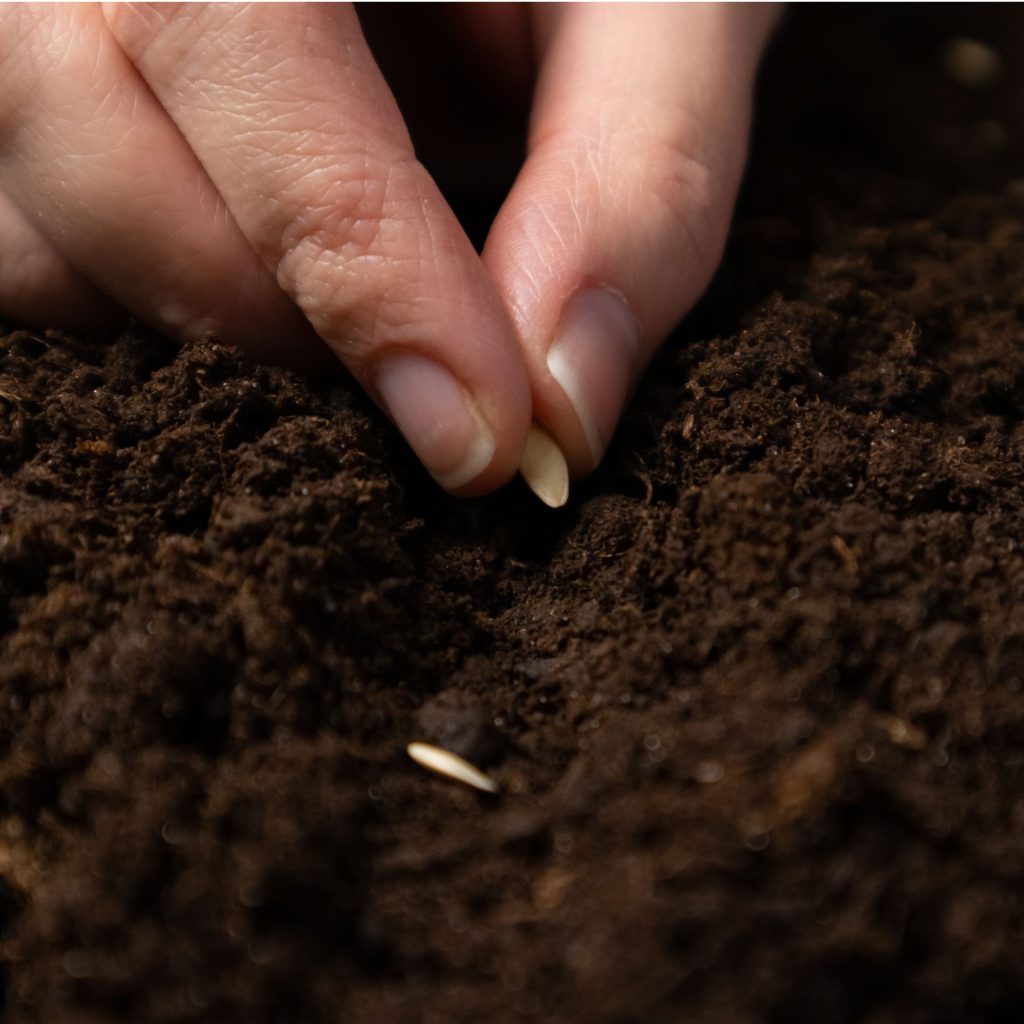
x,y
244,171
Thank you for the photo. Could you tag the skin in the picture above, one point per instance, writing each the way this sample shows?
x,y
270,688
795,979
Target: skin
x,y
244,170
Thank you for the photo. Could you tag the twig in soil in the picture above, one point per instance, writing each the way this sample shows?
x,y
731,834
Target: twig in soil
x,y
444,762
846,555
544,468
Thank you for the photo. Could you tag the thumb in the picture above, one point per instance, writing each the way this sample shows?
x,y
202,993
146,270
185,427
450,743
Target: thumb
x,y
619,216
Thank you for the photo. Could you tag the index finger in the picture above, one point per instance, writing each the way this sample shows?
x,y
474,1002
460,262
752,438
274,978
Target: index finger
x,y
289,115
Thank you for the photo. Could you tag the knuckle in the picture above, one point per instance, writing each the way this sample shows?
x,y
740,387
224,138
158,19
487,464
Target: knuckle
x,y
688,199
341,208
677,193
646,175
343,254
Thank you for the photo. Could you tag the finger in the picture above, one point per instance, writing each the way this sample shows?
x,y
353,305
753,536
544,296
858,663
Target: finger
x,y
618,218
37,284
110,182
290,117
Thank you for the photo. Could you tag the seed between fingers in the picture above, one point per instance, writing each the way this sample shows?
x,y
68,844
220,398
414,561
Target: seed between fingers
x,y
544,468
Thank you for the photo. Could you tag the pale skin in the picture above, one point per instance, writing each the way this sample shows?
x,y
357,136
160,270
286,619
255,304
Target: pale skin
x,y
243,170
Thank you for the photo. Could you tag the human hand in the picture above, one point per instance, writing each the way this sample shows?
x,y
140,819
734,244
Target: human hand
x,y
244,171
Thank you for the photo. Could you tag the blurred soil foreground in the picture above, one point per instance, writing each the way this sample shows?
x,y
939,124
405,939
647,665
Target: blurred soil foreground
x,y
753,698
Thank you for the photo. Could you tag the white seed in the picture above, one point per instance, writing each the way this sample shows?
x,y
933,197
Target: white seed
x,y
544,468
444,762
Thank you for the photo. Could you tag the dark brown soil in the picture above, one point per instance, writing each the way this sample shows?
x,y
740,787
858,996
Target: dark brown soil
x,y
754,698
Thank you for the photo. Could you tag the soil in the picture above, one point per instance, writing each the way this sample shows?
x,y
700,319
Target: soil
x,y
753,698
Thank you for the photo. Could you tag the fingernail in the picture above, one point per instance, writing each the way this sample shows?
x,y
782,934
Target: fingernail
x,y
593,358
437,417
544,468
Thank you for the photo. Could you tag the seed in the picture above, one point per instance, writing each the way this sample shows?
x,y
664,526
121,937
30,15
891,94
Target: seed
x,y
544,468
444,762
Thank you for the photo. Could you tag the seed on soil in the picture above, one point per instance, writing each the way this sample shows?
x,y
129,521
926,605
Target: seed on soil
x,y
444,762
544,468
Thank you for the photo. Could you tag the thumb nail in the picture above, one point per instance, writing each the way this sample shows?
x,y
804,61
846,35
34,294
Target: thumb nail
x,y
438,418
593,358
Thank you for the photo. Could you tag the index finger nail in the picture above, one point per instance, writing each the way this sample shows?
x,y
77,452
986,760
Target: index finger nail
x,y
437,417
